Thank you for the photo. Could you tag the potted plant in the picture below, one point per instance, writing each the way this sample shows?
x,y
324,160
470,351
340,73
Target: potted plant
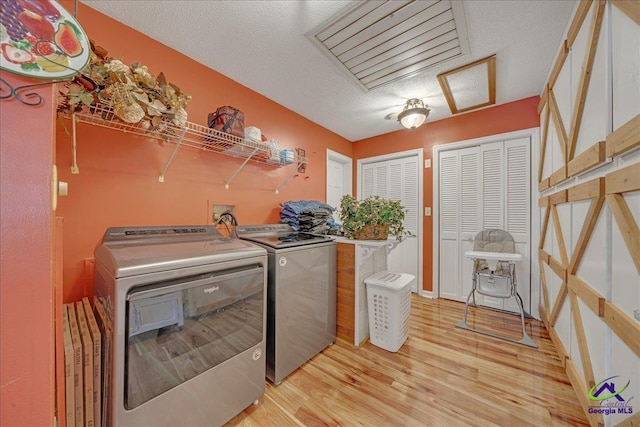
x,y
373,218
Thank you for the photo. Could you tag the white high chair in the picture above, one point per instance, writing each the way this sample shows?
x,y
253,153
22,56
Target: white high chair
x,y
494,274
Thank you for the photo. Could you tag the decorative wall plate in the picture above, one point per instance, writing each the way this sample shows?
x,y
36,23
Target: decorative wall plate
x,y
40,39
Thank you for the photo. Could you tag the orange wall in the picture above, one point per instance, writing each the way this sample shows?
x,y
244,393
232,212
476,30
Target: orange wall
x,y
118,180
516,115
26,294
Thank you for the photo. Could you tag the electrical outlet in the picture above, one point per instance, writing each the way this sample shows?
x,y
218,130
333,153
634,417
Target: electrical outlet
x,y
427,163
427,211
218,210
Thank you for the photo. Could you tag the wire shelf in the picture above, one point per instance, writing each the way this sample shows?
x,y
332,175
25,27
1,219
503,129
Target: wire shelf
x,y
191,135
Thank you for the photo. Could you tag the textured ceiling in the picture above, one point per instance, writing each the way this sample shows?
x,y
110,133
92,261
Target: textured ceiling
x,y
272,56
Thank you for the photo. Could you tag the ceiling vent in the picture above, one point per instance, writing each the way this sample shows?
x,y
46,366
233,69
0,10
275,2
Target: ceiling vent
x,y
379,42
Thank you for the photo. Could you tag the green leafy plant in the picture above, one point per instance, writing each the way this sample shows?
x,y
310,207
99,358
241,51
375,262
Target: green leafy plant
x,y
356,215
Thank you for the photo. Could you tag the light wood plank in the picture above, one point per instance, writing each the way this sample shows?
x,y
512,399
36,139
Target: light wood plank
x,y
543,201
558,176
560,348
558,198
630,7
595,420
558,268
345,321
562,247
544,257
557,66
627,225
587,190
623,180
543,143
562,295
625,138
543,99
442,376
578,19
588,159
545,292
585,234
544,184
545,225
632,421
627,328
558,124
585,78
587,294
585,357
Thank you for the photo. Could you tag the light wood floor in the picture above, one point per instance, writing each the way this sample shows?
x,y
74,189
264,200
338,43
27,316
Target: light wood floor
x,y
442,376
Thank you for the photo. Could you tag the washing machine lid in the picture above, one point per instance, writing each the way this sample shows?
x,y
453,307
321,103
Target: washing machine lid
x,y
279,236
131,251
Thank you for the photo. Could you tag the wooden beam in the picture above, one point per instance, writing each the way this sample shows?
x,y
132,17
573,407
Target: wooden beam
x,y
545,291
623,180
557,66
630,7
544,184
557,227
576,24
543,98
562,295
543,201
627,328
581,392
558,124
543,144
585,357
545,224
625,138
558,268
627,225
560,348
585,78
589,158
585,234
587,294
544,256
558,176
632,421
558,198
587,190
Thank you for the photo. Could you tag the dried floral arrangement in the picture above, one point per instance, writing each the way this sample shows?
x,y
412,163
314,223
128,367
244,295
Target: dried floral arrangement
x,y
132,93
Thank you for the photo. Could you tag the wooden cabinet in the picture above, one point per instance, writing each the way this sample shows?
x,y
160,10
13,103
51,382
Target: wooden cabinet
x,y
357,260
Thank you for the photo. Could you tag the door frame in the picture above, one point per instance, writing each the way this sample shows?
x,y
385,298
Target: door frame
x,y
534,135
418,152
348,172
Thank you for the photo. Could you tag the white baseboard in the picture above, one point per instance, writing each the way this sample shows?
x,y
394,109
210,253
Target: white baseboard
x,y
426,294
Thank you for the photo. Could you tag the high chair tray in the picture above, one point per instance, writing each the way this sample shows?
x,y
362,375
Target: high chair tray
x,y
494,256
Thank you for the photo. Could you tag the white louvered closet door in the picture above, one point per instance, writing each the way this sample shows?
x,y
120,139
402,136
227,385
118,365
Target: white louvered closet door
x,y
397,179
486,186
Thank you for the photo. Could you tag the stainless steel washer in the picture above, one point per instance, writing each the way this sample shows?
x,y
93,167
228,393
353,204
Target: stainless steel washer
x,y
301,303
187,307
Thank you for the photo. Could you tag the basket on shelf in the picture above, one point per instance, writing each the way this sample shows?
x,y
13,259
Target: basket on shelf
x,y
372,232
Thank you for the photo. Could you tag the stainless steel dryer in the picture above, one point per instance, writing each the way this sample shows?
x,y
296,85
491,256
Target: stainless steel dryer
x,y
301,302
187,307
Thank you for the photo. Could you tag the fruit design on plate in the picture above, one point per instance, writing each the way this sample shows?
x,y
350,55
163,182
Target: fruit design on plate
x,y
38,38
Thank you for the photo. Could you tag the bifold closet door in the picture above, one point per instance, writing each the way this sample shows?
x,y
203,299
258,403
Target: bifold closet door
x,y
397,179
486,186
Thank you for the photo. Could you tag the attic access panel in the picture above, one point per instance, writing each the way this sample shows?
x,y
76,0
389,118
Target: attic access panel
x,y
471,86
379,42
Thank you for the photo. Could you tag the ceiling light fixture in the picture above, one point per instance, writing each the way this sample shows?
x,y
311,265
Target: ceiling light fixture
x,y
413,114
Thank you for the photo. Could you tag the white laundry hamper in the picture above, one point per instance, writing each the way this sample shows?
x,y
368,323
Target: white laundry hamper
x,y
389,304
